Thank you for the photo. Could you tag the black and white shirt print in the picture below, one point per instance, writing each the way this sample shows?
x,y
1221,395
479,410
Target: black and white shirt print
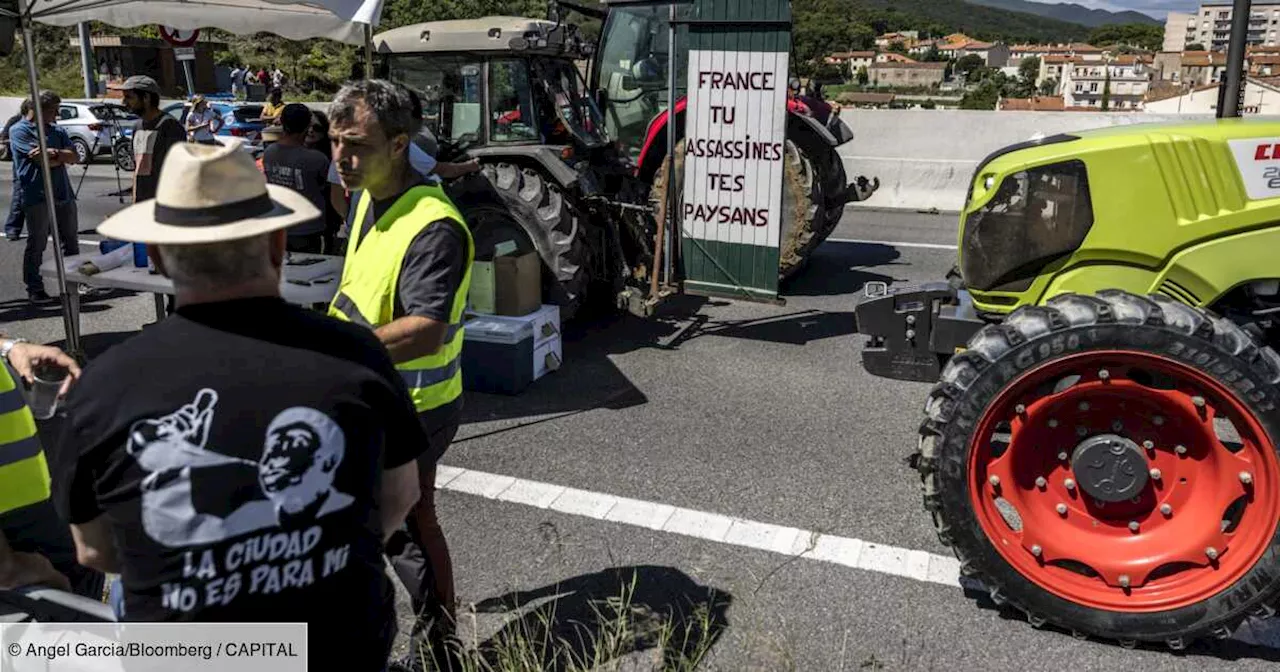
x,y
276,539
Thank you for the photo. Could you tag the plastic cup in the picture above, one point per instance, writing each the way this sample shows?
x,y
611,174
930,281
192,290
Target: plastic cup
x,y
140,258
47,383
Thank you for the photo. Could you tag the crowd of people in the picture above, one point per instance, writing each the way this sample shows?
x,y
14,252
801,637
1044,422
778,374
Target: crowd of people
x,y
257,425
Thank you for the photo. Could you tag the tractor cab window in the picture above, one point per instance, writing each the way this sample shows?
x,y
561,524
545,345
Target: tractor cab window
x,y
449,87
511,108
563,94
633,69
1035,217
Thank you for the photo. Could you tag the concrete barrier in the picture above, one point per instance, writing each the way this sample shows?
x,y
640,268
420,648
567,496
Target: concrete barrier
x,y
925,158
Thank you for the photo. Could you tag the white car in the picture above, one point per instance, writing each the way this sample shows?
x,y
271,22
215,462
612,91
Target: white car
x,y
93,126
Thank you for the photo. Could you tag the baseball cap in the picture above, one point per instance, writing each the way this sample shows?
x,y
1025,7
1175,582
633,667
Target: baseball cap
x,y
141,83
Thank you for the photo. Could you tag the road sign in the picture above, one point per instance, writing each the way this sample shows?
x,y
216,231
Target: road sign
x,y
179,38
732,218
184,53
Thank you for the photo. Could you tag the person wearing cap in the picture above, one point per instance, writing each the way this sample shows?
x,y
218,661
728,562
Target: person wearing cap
x,y
202,122
406,277
290,163
28,173
253,424
154,137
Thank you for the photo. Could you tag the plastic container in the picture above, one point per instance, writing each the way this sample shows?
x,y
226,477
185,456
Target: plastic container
x,y
140,255
109,245
497,355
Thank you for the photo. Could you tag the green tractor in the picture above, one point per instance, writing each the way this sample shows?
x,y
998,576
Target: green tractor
x,y
1099,448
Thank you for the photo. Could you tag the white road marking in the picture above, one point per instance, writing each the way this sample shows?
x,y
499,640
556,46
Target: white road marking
x,y
925,246
855,553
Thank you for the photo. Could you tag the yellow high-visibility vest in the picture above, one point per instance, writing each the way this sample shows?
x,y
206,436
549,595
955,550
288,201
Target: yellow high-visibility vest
x,y
366,295
24,473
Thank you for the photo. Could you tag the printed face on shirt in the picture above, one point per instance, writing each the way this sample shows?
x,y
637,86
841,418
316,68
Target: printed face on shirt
x,y
365,156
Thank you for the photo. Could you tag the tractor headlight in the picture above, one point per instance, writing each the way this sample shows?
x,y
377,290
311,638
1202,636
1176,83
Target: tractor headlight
x,y
1035,217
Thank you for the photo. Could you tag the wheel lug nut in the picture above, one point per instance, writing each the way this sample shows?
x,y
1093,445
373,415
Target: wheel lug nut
x,y
1036,550
1104,374
1155,474
1082,432
1180,449
1133,526
995,481
1166,509
1198,401
1149,444
1117,426
1053,422
1211,553
1062,455
1157,420
1084,406
1069,484
1061,509
1020,409
1041,483
1246,477
1124,580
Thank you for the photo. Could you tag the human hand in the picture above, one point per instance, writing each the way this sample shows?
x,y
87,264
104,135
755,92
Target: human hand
x,y
34,153
25,357
471,166
31,569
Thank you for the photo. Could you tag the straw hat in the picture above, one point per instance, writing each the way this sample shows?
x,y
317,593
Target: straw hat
x,y
209,194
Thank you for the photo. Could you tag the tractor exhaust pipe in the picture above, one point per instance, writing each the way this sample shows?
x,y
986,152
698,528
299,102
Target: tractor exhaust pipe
x,y
1233,90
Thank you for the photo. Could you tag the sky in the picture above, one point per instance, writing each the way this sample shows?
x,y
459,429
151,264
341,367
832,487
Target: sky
x,y
1156,8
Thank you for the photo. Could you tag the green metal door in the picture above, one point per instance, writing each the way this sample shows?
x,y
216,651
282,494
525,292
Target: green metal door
x,y
735,135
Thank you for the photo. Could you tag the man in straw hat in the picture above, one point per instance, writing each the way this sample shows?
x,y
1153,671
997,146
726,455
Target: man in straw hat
x,y
253,468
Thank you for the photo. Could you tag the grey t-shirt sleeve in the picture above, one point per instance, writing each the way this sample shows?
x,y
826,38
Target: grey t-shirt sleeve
x,y
431,274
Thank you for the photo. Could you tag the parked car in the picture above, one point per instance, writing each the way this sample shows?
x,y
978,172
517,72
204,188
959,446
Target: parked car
x,y
94,127
238,119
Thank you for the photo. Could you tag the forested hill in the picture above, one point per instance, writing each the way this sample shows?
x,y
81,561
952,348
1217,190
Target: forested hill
x,y
1070,11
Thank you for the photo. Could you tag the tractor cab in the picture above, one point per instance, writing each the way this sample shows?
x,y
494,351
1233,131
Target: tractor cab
x,y
497,82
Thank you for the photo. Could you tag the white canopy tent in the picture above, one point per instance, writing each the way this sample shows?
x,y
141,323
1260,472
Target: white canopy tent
x,y
349,21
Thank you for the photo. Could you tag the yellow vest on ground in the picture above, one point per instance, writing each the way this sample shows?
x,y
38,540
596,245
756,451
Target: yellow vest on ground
x,y
24,474
371,274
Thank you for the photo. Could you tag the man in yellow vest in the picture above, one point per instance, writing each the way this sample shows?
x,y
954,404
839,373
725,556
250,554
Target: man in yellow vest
x,y
407,273
35,544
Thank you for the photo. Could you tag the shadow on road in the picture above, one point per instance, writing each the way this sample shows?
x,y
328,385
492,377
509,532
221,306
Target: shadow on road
x,y
18,310
591,620
837,269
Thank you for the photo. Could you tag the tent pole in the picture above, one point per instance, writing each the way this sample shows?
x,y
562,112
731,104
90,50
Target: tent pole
x,y
29,46
86,61
368,51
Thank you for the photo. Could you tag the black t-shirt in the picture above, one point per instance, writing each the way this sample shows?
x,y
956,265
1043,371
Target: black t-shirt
x,y
151,144
430,277
236,450
305,171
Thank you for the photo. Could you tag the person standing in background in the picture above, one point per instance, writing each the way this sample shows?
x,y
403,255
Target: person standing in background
x,y
275,105
202,122
25,143
289,163
237,82
335,211
155,135
17,218
277,77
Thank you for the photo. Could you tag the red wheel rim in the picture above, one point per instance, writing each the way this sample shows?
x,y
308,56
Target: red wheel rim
x,y
1199,523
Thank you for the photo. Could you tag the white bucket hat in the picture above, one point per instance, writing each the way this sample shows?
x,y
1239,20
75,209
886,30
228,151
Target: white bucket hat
x,y
209,194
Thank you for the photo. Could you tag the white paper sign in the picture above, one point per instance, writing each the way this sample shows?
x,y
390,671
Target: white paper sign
x,y
1259,162
735,147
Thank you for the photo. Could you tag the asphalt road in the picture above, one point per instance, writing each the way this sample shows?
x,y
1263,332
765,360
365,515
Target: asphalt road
x,y
757,413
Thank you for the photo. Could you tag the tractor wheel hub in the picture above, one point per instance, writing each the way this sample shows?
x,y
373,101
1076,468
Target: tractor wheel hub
x,y
1110,468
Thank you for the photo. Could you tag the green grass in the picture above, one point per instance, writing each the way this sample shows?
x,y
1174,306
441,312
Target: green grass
x,y
619,628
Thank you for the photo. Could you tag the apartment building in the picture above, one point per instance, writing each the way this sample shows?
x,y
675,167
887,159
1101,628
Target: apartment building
x,y
1210,26
1085,83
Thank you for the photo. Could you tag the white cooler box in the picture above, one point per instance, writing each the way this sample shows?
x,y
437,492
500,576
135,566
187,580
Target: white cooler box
x,y
504,355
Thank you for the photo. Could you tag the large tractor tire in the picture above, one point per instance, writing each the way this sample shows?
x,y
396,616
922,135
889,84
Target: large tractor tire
x,y
829,170
1107,464
505,202
803,214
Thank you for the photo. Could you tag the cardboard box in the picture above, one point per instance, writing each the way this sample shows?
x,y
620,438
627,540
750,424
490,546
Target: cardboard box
x,y
517,284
